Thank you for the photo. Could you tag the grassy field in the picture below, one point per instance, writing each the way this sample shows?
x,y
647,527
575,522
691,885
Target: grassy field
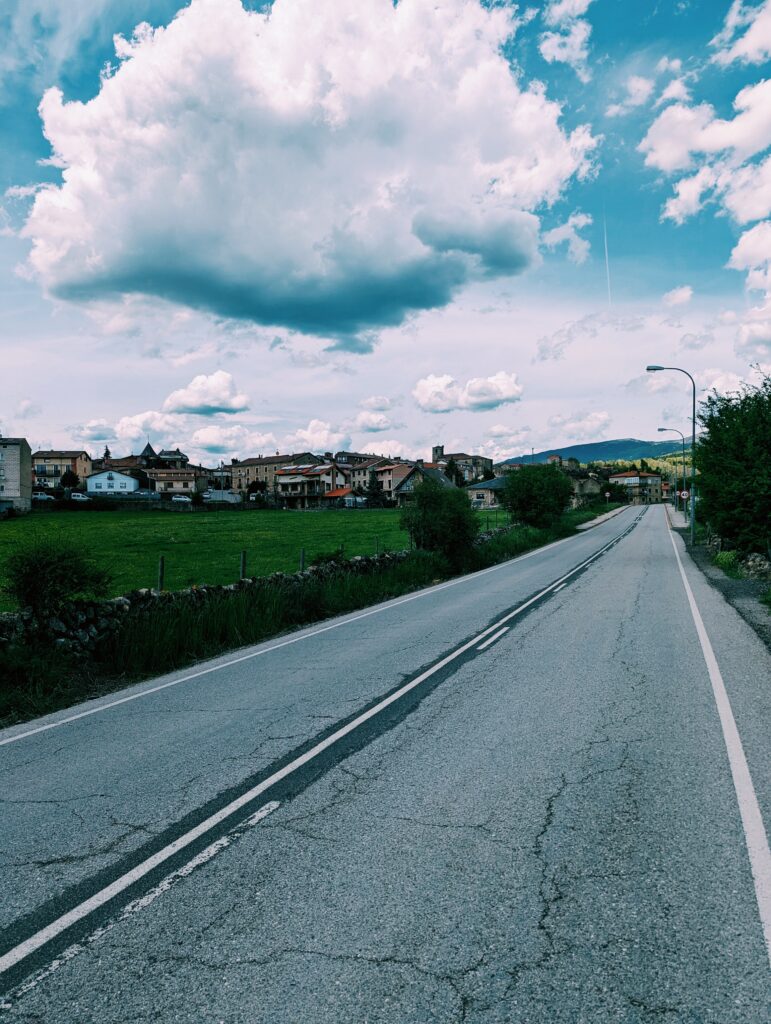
x,y
205,547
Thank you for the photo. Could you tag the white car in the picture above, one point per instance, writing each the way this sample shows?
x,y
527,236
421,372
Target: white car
x,y
39,496
182,499
79,496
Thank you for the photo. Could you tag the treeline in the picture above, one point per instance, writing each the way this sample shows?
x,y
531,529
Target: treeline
x,y
733,457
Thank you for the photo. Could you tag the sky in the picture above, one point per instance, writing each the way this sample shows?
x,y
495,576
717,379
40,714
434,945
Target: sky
x,y
247,227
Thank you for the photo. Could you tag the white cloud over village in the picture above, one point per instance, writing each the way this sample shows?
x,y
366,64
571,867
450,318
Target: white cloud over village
x,y
381,191
206,396
443,393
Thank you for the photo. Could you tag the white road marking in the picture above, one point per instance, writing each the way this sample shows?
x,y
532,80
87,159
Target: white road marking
x,y
141,902
560,587
493,638
749,809
61,924
283,643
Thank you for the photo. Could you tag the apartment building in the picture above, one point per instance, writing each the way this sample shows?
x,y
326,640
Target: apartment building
x,y
15,474
308,486
641,488
471,467
48,467
262,470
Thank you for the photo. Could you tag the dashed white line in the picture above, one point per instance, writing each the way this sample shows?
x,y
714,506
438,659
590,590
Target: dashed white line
x,y
752,820
493,638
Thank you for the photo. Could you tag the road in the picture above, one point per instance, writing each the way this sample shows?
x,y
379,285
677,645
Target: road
x,y
521,796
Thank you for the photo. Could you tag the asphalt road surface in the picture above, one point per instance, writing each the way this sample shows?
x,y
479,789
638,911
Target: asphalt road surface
x,y
536,794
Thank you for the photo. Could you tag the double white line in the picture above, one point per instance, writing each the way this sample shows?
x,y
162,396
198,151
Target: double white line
x,y
61,924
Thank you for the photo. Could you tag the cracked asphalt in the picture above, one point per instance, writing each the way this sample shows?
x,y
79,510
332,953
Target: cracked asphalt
x,y
550,835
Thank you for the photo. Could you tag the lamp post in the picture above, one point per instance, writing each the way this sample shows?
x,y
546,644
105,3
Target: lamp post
x,y
655,369
672,430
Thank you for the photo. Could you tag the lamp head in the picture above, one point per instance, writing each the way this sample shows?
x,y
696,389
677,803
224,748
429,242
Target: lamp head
x,y
652,369
663,429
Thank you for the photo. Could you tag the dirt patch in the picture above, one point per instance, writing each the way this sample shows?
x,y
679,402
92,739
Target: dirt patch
x,y
743,595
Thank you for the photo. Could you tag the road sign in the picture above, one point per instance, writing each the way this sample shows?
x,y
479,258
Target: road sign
x,y
685,494
607,494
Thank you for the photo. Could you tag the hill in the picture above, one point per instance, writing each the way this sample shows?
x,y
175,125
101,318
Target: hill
x,y
627,448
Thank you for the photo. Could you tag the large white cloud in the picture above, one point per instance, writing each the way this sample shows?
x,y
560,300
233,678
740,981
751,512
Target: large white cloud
x,y
206,396
581,426
748,47
373,422
444,394
318,436
329,168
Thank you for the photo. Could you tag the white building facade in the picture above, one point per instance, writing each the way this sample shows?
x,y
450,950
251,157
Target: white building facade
x,y
111,483
15,474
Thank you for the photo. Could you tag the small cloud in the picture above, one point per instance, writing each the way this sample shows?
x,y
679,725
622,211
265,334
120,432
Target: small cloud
x,y
224,440
94,430
578,247
638,92
676,92
581,426
678,296
206,396
27,409
318,436
373,422
437,394
376,403
696,341
666,66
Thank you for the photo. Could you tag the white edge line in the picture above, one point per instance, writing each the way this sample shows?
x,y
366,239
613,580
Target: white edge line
x,y
749,809
493,638
284,643
65,921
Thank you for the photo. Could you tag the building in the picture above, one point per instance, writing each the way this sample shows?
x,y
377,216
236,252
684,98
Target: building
x,y
390,476
307,486
187,480
354,458
111,483
418,474
360,472
641,488
48,467
262,470
586,488
471,467
487,493
15,474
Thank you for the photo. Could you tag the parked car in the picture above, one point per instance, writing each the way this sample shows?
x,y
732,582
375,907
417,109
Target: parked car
x,y
79,496
39,496
182,499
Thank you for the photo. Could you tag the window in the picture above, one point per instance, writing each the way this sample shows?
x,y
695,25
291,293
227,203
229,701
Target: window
x,y
123,487
98,487
110,476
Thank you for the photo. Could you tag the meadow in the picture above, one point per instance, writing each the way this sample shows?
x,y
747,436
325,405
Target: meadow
x,y
204,547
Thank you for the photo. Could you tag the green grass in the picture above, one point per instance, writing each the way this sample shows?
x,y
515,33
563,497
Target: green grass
x,y
205,547
728,561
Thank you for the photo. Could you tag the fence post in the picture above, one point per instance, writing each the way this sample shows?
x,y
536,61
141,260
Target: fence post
x,y
302,559
243,566
161,571
377,545
342,550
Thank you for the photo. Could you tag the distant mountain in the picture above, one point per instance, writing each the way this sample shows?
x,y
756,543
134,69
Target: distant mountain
x,y
628,448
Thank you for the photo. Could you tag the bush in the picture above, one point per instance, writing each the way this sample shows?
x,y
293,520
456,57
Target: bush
x,y
537,495
441,519
46,574
728,561
734,483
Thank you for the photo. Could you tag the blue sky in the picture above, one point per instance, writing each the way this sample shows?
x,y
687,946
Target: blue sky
x,y
310,224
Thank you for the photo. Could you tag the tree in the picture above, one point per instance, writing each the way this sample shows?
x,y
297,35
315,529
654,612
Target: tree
x,y
487,474
441,519
732,457
69,480
107,453
452,472
537,495
374,493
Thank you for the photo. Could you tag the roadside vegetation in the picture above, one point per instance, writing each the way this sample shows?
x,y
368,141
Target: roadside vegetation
x,y
40,678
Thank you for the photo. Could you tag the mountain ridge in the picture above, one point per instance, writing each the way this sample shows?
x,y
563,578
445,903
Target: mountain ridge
x,y
626,448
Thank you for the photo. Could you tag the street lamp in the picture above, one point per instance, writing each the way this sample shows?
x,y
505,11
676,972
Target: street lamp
x,y
672,430
655,369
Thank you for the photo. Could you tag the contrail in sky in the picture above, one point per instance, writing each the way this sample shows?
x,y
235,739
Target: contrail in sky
x,y
607,262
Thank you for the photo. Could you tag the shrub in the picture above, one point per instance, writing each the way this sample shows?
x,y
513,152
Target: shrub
x,y
728,561
441,519
46,574
537,495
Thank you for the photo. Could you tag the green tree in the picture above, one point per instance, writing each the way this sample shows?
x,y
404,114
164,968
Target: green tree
x,y
452,472
107,454
441,519
374,492
69,479
732,457
537,495
487,474
46,574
